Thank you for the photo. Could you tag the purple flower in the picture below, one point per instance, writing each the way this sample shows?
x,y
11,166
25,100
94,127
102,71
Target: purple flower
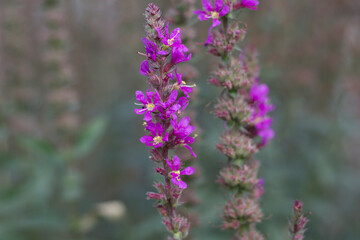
x,y
263,129
182,84
171,106
178,107
250,4
149,104
212,12
151,49
176,173
182,131
173,39
259,188
183,128
179,54
156,139
266,135
145,68
258,94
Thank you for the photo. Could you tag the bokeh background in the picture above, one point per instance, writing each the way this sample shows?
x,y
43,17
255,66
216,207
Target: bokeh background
x,y
71,164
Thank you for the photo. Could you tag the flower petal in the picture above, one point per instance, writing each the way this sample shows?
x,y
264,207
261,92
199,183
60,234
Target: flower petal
x,y
188,171
182,184
224,11
147,140
190,149
140,97
176,163
175,182
170,165
218,5
147,116
172,98
201,15
159,129
184,122
166,137
207,5
144,68
162,52
216,22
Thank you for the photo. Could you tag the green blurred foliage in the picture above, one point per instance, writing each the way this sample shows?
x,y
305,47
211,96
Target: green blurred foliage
x,y
309,54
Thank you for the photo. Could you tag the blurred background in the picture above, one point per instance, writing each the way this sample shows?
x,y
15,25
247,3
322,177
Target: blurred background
x,y
72,166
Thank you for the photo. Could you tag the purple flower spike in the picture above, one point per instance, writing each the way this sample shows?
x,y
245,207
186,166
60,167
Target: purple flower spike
x,y
152,50
145,68
176,173
172,40
212,12
156,139
149,104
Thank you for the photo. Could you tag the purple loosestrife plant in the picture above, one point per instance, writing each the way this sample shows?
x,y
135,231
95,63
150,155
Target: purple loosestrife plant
x,y
180,15
243,105
298,223
163,105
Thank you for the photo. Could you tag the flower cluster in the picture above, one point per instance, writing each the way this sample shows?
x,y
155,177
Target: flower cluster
x,y
241,212
180,15
298,223
163,105
243,179
261,107
243,105
220,8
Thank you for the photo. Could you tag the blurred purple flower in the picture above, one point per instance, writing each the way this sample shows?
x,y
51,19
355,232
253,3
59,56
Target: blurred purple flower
x,y
212,12
250,4
176,173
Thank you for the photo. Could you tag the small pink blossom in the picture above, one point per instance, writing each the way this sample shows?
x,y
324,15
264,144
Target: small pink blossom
x,y
212,12
156,139
176,173
149,104
170,40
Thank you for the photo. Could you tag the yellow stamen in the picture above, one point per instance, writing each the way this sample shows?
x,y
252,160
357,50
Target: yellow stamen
x,y
214,15
171,40
157,140
183,82
177,173
144,123
150,106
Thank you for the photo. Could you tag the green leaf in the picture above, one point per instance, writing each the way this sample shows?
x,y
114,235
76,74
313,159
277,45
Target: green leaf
x,y
72,186
87,139
37,146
